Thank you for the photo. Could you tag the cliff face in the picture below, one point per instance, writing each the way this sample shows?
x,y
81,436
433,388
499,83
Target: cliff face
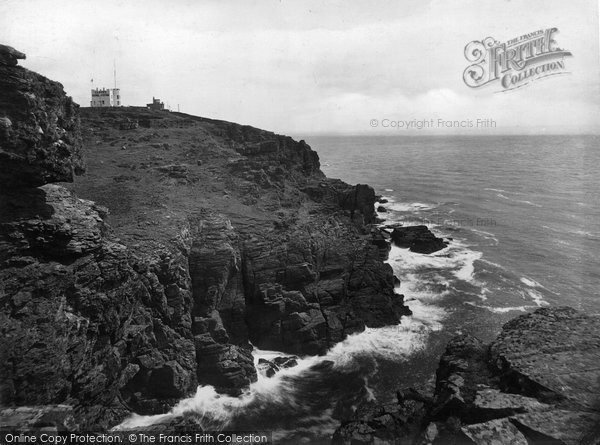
x,y
537,383
202,236
39,127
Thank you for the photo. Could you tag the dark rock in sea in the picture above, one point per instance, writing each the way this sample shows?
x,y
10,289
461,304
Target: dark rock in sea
x,y
121,295
418,239
375,423
267,367
538,382
286,362
382,201
271,367
381,209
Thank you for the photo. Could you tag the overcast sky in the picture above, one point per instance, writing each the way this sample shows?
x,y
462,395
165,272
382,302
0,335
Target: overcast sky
x,y
301,67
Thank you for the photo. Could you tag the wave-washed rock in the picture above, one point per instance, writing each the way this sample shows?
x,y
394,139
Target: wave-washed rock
x,y
537,383
417,239
188,240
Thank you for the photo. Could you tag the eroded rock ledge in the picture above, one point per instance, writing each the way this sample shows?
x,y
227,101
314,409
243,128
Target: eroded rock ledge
x,y
537,383
188,240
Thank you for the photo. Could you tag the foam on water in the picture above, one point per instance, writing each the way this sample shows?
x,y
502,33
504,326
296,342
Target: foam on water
x,y
408,206
394,343
523,201
426,280
537,298
215,410
503,191
457,258
502,310
529,282
486,235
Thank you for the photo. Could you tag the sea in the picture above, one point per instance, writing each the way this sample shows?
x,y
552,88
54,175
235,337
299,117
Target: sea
x,y
523,217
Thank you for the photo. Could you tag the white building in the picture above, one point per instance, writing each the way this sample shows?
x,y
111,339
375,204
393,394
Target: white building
x,y
106,97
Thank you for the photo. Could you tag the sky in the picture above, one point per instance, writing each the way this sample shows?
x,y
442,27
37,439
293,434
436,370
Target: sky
x,y
313,67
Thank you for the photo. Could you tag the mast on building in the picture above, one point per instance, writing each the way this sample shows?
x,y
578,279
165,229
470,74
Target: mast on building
x,y
107,97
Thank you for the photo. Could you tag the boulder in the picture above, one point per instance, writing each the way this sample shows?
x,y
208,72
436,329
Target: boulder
x,y
270,367
417,239
536,383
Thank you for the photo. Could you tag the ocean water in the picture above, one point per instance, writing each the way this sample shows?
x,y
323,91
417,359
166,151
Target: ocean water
x,y
523,213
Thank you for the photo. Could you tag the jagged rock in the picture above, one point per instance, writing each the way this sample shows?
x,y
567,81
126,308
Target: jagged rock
x,y
524,388
286,362
40,132
169,381
374,423
228,367
498,431
267,367
49,417
77,308
271,367
359,198
418,239
192,268
49,220
10,56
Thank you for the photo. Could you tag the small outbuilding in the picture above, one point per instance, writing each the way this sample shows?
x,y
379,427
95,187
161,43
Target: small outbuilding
x,y
156,104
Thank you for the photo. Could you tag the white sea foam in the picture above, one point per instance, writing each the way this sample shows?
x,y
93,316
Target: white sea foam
x,y
394,343
409,206
467,270
586,234
216,410
486,235
537,297
491,263
502,310
504,191
523,201
457,257
529,282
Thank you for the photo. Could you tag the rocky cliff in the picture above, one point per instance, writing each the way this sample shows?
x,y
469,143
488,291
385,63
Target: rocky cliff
x,y
537,383
188,240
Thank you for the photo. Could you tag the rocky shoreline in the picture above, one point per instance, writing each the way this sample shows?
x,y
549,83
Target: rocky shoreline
x,y
187,240
537,383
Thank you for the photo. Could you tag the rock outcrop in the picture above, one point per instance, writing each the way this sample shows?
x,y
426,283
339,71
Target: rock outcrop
x,y
417,239
538,382
40,137
82,320
187,240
